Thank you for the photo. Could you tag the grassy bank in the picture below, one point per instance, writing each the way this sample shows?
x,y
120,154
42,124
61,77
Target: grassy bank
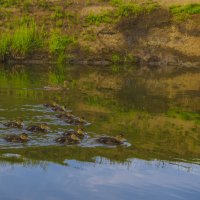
x,y
74,30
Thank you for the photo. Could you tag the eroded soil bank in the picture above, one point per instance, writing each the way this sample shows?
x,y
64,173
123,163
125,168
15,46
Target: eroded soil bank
x,y
107,32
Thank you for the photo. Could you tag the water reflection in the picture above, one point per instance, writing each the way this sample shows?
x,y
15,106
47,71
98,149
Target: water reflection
x,y
138,179
153,108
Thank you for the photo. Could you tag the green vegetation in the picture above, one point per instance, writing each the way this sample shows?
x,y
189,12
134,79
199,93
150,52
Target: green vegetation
x,y
97,19
187,9
4,45
123,9
25,39
58,13
184,12
28,37
58,42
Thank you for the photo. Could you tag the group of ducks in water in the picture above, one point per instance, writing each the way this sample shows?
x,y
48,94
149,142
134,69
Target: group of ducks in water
x,y
69,137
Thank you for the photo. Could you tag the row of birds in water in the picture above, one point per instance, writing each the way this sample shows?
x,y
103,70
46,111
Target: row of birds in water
x,y
69,137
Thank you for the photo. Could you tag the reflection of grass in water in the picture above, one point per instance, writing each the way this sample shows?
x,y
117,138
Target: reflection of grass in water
x,y
103,102
53,79
21,160
16,79
11,159
184,115
59,154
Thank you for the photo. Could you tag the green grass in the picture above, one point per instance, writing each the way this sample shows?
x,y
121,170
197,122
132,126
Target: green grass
x,y
122,9
190,9
58,14
9,3
125,9
58,42
184,12
105,17
22,41
26,38
4,45
128,9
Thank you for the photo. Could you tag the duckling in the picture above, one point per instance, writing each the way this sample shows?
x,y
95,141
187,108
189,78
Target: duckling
x,y
51,105
76,121
38,128
79,133
119,139
69,139
17,138
65,115
59,108
14,124
57,87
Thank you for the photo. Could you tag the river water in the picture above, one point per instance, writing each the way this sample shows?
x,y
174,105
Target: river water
x,y
157,110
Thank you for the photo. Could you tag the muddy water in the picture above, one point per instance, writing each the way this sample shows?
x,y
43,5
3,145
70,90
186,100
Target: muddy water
x,y
157,110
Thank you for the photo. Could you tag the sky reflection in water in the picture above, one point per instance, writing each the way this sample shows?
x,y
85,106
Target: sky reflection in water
x,y
137,179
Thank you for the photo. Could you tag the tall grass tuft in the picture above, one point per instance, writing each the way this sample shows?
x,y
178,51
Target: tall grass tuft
x,y
26,38
4,45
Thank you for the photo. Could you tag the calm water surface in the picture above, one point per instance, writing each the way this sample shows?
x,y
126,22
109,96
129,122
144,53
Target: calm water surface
x,y
157,110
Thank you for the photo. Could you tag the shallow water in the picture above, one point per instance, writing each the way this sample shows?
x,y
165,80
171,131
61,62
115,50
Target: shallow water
x,y
157,110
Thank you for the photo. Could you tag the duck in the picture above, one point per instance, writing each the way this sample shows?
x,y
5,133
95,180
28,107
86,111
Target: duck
x,y
76,121
59,108
117,140
68,139
57,87
17,138
79,133
38,128
65,115
14,124
51,105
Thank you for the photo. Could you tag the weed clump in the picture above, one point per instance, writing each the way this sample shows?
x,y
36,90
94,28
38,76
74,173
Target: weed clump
x,y
26,38
22,41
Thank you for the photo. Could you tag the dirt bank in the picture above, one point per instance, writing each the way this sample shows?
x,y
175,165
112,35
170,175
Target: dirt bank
x,y
153,38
